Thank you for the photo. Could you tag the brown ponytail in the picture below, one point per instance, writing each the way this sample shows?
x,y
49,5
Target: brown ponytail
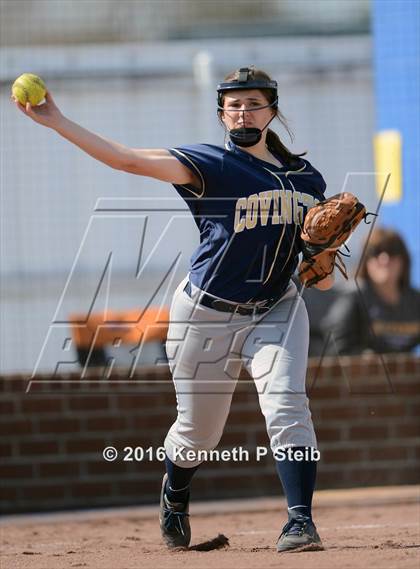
x,y
276,146
273,141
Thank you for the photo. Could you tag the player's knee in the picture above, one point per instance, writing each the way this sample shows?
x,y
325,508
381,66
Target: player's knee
x,y
189,452
291,436
290,423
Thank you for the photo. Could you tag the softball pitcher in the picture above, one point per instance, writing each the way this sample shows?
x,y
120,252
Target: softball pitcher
x,y
237,308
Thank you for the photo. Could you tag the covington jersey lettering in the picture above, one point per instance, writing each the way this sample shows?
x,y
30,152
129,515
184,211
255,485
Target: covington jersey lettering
x,y
249,214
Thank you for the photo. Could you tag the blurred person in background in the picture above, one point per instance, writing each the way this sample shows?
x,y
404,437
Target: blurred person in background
x,y
382,314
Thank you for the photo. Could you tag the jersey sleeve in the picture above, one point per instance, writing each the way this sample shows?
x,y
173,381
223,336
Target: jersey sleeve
x,y
318,183
203,162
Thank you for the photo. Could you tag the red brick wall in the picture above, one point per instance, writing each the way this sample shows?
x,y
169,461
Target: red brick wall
x,y
52,435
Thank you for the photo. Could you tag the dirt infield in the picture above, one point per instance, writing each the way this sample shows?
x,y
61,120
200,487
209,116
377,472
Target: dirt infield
x,y
359,528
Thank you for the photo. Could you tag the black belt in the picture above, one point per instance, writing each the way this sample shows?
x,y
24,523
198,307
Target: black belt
x,y
225,306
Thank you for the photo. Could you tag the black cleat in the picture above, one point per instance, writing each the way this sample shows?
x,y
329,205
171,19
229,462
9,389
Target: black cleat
x,y
299,534
174,521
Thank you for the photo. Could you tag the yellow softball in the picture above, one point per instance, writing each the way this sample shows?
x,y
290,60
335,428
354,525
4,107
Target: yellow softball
x,y
29,87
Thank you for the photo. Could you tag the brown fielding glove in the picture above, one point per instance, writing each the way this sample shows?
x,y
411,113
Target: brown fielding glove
x,y
315,269
326,227
329,224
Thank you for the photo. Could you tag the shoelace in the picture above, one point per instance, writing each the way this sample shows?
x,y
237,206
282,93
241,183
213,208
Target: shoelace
x,y
296,526
178,515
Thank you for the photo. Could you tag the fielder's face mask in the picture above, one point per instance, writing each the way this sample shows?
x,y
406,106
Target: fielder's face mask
x,y
247,136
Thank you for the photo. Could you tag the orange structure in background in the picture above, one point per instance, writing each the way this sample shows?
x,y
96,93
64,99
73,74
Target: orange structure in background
x,y
94,332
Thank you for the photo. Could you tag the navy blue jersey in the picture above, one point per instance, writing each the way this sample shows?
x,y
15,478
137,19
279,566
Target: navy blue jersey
x,y
249,214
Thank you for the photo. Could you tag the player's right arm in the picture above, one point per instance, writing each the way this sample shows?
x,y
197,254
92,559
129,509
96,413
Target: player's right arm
x,y
155,163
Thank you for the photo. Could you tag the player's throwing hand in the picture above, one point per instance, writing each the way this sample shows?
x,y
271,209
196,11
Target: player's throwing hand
x,y
47,114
